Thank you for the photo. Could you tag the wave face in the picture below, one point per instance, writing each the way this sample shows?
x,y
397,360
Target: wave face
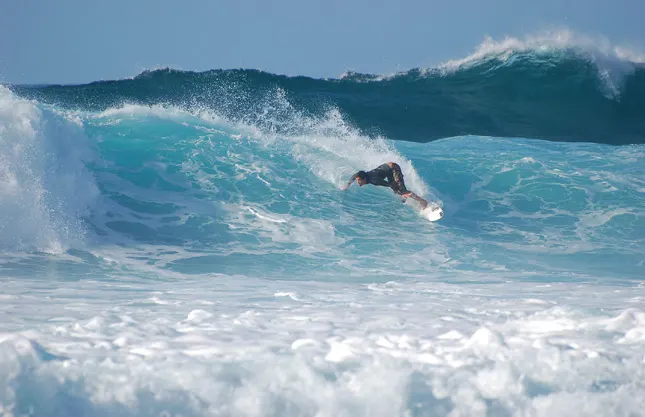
x,y
553,88
179,244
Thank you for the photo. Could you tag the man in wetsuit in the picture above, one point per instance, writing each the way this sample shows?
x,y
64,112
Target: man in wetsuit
x,y
390,171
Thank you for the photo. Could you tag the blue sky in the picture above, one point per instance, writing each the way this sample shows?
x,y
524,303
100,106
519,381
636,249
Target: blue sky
x,y
76,41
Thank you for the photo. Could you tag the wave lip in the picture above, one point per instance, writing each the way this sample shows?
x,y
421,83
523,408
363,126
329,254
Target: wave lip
x,y
595,49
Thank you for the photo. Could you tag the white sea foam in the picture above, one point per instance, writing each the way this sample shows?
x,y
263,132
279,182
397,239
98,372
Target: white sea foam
x,y
613,62
255,348
598,48
45,188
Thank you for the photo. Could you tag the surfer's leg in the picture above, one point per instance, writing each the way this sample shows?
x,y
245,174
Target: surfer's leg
x,y
398,178
400,187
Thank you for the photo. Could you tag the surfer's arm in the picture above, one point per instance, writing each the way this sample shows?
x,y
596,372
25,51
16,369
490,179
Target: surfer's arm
x,y
351,180
412,195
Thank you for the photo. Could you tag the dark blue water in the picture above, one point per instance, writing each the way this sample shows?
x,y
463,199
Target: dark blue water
x,y
560,95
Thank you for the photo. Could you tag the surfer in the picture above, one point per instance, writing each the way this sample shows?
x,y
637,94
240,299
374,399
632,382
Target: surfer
x,y
390,171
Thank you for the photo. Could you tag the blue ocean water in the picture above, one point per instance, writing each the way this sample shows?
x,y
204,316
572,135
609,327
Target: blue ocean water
x,y
180,244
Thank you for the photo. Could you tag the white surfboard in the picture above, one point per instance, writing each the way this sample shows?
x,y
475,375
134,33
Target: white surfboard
x,y
432,213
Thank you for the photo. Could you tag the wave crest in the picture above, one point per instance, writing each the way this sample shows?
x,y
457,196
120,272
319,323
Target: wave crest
x,y
558,87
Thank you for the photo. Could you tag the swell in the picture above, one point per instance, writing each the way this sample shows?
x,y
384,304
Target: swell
x,y
163,188
558,95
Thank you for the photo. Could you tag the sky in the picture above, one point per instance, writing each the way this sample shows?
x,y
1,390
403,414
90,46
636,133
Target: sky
x,y
78,41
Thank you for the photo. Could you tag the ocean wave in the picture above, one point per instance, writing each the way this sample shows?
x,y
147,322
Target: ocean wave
x,y
558,87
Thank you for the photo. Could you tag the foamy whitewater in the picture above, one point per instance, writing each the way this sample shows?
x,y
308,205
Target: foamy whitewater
x,y
179,244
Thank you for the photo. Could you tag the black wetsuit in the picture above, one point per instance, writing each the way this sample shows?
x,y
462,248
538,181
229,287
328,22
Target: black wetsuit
x,y
394,177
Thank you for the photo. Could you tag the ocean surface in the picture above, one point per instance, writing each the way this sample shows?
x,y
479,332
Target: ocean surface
x,y
179,244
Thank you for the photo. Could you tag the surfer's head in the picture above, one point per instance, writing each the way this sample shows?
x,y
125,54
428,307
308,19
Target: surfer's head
x,y
361,178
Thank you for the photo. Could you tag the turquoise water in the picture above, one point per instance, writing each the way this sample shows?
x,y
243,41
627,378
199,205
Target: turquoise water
x,y
168,258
